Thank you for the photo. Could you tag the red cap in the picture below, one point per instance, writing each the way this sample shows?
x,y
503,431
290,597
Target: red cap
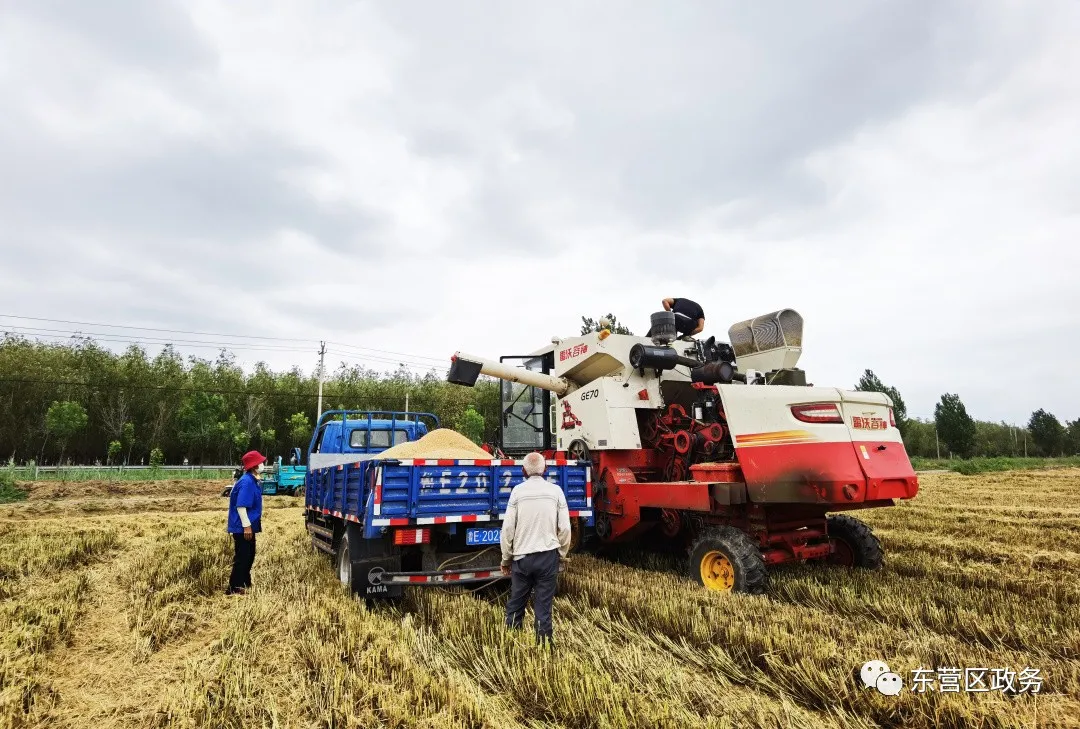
x,y
251,459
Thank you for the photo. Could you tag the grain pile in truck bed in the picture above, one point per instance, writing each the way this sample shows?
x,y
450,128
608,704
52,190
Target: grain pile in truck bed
x,y
439,443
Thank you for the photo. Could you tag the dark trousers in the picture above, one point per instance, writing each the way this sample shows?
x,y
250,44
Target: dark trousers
x,y
536,574
243,558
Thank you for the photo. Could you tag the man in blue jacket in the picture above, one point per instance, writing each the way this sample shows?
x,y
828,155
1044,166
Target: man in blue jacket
x,y
245,521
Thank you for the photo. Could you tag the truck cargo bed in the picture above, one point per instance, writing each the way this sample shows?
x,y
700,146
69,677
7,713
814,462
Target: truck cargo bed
x,y
401,492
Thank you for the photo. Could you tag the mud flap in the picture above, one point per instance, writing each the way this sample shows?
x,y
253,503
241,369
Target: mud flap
x,y
366,578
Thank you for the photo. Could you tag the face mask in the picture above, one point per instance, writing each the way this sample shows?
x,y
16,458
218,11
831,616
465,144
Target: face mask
x,y
259,468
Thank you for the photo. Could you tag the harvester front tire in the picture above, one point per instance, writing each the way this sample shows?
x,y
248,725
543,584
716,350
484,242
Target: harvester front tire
x,y
724,559
854,543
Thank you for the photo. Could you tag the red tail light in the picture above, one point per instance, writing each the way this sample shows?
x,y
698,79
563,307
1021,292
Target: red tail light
x,y
892,418
817,413
412,536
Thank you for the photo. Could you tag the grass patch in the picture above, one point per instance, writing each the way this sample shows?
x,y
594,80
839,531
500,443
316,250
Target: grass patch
x,y
10,492
75,473
972,466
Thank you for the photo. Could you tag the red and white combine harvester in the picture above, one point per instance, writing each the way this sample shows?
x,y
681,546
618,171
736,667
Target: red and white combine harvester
x,y
720,447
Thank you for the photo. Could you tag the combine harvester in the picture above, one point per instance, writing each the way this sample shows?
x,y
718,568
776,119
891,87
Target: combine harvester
x,y
720,448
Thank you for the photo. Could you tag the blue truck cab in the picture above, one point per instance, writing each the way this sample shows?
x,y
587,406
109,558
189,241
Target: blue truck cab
x,y
391,522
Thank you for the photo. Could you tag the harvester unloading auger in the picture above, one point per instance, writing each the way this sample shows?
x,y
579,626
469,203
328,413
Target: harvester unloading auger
x,y
721,447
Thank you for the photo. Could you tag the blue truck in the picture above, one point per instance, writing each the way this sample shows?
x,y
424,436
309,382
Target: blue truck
x,y
392,522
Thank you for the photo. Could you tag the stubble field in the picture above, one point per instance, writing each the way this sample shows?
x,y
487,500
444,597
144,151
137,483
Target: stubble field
x,y
112,615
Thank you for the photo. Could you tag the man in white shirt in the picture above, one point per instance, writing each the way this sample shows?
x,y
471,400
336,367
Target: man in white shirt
x,y
535,539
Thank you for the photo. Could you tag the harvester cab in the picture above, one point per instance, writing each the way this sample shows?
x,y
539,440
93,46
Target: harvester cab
x,y
723,447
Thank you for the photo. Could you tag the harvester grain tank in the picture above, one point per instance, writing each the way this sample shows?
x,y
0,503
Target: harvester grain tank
x,y
722,448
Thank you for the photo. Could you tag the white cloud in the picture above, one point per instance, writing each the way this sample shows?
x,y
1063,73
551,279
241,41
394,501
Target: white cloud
x,y
476,176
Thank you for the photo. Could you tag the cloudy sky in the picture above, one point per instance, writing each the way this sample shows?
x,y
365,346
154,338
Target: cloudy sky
x,y
421,177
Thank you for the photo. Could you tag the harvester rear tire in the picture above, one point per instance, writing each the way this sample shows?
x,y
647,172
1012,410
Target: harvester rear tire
x,y
724,559
855,542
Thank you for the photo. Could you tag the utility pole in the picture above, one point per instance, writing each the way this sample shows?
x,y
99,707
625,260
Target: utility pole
x,y
1025,443
938,441
322,374
406,401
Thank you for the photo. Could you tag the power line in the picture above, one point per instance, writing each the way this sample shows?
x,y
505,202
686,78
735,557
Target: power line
x,y
155,329
138,339
441,360
426,366
149,340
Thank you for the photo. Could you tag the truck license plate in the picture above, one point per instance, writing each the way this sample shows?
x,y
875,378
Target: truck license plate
x,y
481,536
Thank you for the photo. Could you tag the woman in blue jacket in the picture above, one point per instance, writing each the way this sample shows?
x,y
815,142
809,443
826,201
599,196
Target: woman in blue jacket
x,y
245,521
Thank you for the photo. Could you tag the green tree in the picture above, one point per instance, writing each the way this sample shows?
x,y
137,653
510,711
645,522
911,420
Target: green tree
x,y
997,439
63,420
472,425
157,459
870,382
1072,438
199,419
127,439
1047,433
148,392
299,428
115,447
954,426
589,325
234,435
267,437
919,438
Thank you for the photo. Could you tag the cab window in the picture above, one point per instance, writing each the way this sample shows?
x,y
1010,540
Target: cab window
x,y
381,438
376,438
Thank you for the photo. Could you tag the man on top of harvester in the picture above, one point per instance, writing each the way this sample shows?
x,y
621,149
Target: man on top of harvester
x,y
689,316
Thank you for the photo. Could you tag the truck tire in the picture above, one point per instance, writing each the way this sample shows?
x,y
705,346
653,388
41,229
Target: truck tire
x,y
724,559
344,563
359,562
854,543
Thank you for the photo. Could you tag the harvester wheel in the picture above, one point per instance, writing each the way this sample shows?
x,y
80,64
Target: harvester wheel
x,y
724,559
854,543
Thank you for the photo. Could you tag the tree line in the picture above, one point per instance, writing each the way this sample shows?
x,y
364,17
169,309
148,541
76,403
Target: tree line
x,y
953,432
81,403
